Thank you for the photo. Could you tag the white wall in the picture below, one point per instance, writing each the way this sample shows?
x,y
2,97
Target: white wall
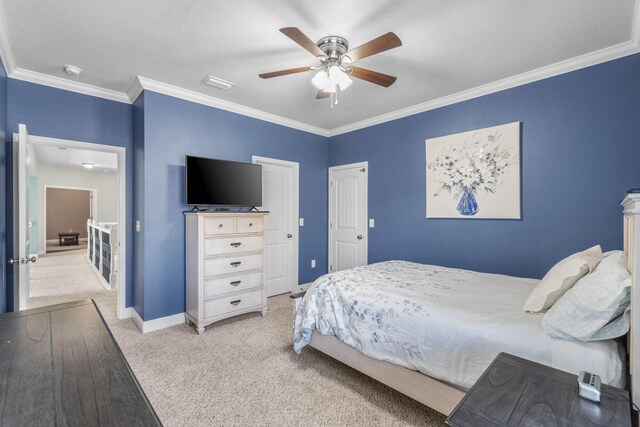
x,y
106,184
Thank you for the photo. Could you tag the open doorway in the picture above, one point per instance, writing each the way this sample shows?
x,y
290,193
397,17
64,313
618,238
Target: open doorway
x,y
67,210
73,235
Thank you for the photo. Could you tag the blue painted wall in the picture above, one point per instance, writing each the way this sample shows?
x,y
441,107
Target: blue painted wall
x,y
3,217
173,128
68,115
580,152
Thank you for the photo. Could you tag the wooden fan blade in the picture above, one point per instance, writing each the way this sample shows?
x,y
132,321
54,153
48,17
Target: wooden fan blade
x,y
377,45
299,37
322,95
284,72
372,76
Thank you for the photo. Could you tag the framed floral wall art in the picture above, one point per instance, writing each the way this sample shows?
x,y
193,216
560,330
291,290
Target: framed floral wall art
x,y
475,174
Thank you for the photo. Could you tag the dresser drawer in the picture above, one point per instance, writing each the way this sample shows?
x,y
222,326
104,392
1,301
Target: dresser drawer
x,y
230,245
249,225
216,307
215,226
237,282
216,266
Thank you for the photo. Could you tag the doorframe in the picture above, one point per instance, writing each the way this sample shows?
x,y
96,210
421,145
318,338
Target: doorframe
x,y
121,152
295,215
365,233
93,204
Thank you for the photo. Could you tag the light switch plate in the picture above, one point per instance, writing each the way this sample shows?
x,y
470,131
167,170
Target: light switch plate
x,y
138,225
372,223
313,263
301,222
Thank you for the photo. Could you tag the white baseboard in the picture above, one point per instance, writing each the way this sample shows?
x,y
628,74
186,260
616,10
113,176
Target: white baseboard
x,y
127,313
304,287
155,324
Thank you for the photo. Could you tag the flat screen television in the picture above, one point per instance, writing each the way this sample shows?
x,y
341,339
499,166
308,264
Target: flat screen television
x,y
214,182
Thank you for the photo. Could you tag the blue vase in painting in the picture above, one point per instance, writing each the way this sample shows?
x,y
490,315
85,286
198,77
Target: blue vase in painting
x,y
467,205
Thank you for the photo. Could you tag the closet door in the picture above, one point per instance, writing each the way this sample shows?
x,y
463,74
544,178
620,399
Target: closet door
x,y
348,216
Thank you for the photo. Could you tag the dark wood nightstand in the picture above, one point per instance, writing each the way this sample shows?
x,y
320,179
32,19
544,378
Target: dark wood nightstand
x,y
518,392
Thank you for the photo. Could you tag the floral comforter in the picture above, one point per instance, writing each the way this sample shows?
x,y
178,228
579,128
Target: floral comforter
x,y
446,323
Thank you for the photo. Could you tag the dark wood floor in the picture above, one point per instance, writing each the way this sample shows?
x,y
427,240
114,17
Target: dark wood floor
x,y
59,365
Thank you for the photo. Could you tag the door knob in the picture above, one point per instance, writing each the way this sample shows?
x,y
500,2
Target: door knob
x,y
289,236
359,236
14,261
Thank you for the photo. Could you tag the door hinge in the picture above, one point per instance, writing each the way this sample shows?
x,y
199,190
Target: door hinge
x,y
330,225
330,183
363,170
331,268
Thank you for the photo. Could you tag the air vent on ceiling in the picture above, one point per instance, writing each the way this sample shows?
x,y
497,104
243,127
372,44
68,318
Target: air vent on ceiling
x,y
218,82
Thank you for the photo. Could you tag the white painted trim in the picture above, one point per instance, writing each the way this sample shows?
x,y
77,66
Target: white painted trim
x,y
122,205
155,324
366,206
67,84
140,83
210,101
135,90
128,313
136,319
562,67
303,288
93,204
295,215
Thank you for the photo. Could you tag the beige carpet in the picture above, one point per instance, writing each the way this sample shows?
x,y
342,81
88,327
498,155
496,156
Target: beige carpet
x,y
241,372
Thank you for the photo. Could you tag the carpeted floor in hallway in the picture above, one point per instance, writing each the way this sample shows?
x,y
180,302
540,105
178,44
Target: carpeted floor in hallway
x,y
240,372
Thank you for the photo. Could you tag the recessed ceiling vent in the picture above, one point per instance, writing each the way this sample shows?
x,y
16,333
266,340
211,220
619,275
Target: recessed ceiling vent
x,y
218,82
72,70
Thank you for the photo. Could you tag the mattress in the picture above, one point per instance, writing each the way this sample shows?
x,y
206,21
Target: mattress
x,y
446,323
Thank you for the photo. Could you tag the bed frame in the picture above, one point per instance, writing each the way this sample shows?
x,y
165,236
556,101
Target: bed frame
x,y
444,397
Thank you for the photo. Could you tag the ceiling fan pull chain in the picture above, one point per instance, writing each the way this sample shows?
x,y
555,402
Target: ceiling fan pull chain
x,y
334,96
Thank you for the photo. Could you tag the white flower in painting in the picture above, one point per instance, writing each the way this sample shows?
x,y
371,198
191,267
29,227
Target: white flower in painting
x,y
476,165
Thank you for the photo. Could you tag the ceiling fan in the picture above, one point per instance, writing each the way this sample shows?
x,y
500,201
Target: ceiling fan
x,y
336,58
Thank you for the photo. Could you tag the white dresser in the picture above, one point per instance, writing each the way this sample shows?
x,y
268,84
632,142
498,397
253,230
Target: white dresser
x,y
225,256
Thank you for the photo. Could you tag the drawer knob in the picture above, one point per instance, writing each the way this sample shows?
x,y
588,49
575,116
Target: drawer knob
x,y
219,225
236,283
236,244
236,302
250,224
236,263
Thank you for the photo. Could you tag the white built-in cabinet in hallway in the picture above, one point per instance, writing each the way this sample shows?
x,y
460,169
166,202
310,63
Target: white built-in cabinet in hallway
x,y
224,262
102,252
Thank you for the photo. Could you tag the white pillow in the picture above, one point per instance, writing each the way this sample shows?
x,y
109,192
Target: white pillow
x,y
596,308
561,278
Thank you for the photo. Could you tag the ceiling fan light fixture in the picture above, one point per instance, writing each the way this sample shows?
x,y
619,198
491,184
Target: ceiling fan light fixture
x,y
88,165
332,79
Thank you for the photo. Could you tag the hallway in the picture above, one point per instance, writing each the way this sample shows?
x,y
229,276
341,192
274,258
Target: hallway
x,y
67,276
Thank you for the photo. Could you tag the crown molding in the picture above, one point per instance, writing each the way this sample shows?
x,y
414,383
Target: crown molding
x,y
189,95
573,64
141,83
70,85
135,90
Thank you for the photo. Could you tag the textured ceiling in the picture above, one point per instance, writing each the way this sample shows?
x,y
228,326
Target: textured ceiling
x,y
73,158
448,46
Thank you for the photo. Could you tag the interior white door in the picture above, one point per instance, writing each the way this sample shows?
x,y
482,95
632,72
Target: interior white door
x,y
22,259
348,216
279,198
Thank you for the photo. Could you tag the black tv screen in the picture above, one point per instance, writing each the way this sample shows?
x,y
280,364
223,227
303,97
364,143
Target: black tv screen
x,y
213,182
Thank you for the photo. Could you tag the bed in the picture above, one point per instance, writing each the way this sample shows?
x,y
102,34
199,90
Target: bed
x,y
373,317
